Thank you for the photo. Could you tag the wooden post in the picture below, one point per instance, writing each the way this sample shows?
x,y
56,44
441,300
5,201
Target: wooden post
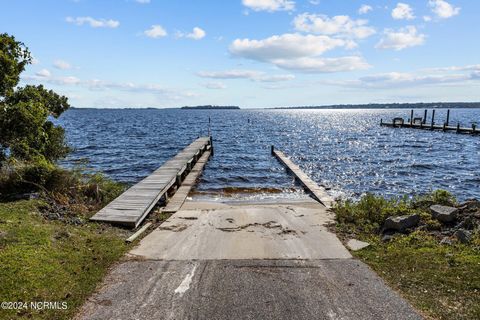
x,y
425,117
458,127
448,117
272,149
411,117
474,126
211,146
433,117
381,121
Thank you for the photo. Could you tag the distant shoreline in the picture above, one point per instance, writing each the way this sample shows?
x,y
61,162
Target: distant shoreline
x,y
209,107
420,105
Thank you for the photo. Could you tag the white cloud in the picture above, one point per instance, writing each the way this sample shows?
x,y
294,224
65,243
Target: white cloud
x,y
455,75
403,12
323,65
401,39
62,65
299,52
269,5
285,46
44,73
214,85
427,18
196,34
443,9
47,77
364,9
337,25
472,67
142,1
99,85
245,74
94,23
155,31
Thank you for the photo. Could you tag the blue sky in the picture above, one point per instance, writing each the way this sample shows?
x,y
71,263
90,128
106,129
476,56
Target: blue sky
x,y
252,53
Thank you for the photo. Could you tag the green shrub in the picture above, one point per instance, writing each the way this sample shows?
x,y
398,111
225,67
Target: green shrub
x,y
80,191
371,210
441,197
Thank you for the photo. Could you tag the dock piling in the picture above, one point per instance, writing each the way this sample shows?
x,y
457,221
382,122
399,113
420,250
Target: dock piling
x,y
411,117
448,117
433,118
425,117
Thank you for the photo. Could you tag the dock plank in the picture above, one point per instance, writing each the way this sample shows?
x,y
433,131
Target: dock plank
x,y
176,202
131,207
318,192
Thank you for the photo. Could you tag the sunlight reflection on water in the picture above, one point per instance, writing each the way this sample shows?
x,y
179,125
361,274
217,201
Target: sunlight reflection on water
x,y
345,150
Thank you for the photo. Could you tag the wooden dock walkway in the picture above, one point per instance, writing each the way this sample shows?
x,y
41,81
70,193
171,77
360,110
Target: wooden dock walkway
x,y
131,207
318,192
175,203
421,123
456,129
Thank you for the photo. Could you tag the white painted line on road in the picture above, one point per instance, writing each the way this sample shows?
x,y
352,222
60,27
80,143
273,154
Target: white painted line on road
x,y
185,285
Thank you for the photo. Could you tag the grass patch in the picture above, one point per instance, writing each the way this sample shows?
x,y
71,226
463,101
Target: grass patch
x,y
43,260
440,280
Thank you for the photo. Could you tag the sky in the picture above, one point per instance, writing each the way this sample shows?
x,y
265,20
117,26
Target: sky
x,y
249,53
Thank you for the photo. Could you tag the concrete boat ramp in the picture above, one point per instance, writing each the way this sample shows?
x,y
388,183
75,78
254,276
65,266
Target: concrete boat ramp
x,y
243,260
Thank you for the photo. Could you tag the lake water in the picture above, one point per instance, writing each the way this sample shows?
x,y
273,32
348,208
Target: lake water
x,y
345,150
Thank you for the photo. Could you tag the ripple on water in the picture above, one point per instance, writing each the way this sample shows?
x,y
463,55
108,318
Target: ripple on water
x,y
346,150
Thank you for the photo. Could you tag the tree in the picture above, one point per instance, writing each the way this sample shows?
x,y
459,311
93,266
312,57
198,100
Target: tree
x,y
26,132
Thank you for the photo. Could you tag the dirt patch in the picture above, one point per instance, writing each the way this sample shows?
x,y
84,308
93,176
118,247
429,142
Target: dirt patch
x,y
174,228
267,225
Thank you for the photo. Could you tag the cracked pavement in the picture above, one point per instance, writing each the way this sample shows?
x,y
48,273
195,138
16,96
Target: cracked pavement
x,y
244,261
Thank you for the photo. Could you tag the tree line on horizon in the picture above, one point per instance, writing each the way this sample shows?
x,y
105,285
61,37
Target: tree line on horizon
x,y
417,105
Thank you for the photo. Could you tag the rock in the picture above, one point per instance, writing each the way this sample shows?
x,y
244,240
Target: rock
x,y
444,213
34,196
52,216
470,205
387,237
467,223
401,223
446,241
463,236
356,245
76,221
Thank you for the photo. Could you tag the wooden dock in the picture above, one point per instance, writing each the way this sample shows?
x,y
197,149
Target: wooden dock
x,y
131,207
318,192
175,203
456,129
421,123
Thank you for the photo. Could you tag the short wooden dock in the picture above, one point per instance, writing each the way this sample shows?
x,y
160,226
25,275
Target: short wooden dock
x,y
131,207
456,129
319,193
175,203
421,123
